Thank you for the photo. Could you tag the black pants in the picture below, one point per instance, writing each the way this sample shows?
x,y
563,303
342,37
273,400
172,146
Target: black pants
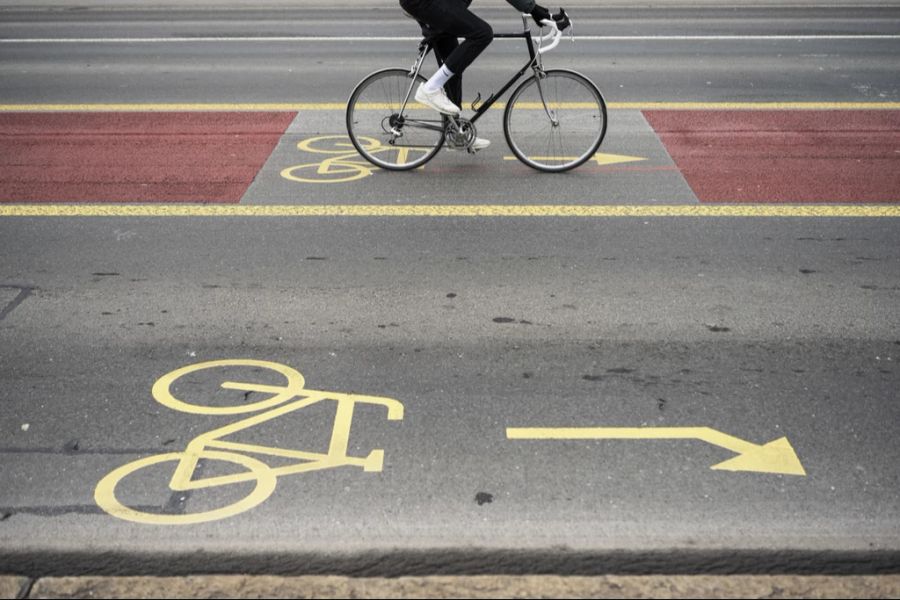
x,y
443,22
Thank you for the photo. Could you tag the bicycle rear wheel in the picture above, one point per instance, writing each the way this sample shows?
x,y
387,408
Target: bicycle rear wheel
x,y
231,488
557,122
383,131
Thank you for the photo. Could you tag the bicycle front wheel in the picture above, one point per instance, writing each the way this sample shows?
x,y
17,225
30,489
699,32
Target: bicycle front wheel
x,y
556,122
388,127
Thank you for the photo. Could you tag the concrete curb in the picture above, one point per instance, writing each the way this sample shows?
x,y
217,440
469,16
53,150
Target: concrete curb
x,y
610,586
12,586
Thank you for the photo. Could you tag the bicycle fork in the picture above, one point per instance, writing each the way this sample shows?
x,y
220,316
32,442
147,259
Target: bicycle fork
x,y
539,75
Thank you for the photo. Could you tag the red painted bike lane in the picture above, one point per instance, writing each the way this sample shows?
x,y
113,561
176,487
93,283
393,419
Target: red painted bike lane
x,y
726,156
772,156
122,157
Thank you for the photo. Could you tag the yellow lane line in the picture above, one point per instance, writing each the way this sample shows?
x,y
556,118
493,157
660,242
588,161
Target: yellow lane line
x,y
452,210
755,105
340,106
175,107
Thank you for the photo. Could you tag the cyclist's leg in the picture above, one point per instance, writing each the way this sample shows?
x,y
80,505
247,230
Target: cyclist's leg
x,y
444,45
453,17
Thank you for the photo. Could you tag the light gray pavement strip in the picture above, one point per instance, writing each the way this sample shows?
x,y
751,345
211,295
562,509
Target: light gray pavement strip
x,y
387,21
760,328
459,178
471,587
638,70
381,4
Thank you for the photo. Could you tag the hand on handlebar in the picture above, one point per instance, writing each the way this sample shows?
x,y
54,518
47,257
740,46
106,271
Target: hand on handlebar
x,y
540,14
562,19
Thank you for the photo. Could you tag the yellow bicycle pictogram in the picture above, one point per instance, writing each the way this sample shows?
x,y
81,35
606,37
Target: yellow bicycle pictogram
x,y
279,400
344,164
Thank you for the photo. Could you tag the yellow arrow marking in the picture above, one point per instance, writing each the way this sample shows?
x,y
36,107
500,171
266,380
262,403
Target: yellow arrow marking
x,y
599,158
615,159
775,457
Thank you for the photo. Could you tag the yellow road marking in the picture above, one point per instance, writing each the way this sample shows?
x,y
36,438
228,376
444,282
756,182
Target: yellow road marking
x,y
755,105
599,158
288,398
344,163
341,106
163,107
777,456
449,210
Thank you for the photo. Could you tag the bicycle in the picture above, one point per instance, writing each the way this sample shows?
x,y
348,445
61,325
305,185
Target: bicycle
x,y
554,121
241,468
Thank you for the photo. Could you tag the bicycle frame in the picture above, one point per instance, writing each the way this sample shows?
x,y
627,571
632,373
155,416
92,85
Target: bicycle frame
x,y
534,63
183,478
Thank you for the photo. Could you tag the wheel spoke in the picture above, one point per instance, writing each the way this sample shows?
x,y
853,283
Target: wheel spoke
x,y
373,113
580,113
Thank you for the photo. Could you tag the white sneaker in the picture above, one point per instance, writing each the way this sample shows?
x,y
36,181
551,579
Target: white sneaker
x,y
437,100
480,144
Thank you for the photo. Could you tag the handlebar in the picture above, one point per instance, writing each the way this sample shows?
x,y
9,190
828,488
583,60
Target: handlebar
x,y
555,35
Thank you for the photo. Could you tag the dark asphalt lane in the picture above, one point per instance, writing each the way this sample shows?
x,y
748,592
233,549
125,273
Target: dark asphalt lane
x,y
643,69
758,328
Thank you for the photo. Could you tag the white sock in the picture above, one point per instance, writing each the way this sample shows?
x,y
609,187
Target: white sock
x,y
438,80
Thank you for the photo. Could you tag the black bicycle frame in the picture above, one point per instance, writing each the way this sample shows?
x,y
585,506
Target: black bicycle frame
x,y
530,64
486,105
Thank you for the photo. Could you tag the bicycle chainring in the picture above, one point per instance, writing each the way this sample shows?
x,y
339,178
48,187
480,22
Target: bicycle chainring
x,y
461,136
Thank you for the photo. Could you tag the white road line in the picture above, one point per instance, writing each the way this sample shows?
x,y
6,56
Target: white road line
x,y
586,38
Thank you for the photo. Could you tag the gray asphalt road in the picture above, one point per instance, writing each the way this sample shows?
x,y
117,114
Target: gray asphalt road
x,y
647,66
758,328
715,335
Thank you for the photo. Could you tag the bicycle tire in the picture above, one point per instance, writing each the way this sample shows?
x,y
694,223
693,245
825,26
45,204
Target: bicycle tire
x,y
344,172
582,120
374,109
163,393
106,498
